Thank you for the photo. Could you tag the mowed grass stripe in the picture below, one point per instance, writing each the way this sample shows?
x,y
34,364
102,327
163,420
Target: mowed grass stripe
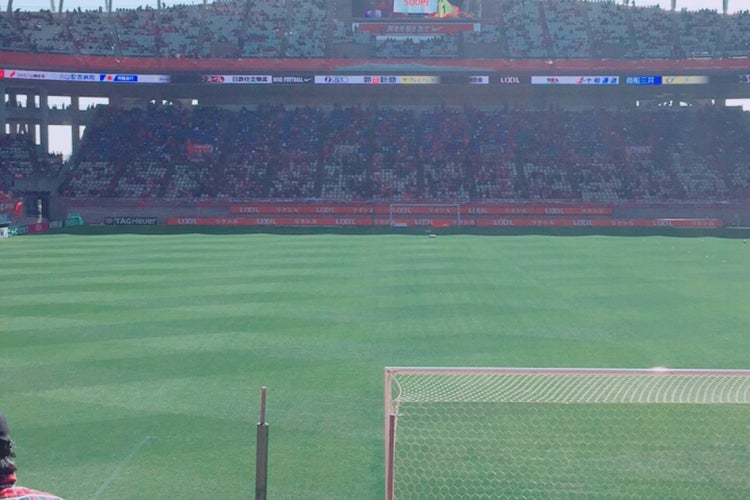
x,y
107,340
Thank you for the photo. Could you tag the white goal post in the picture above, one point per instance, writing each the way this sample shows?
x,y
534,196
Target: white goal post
x,y
424,214
540,433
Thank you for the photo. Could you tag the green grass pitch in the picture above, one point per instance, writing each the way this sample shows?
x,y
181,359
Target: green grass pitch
x,y
136,361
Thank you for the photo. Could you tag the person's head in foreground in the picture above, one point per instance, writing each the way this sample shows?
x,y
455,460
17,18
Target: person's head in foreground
x,y
8,488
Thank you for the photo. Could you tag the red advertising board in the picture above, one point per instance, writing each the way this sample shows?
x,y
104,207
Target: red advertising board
x,y
437,222
592,222
418,209
270,221
308,209
535,210
41,227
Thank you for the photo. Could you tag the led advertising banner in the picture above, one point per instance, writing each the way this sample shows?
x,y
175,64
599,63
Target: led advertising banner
x,y
479,80
643,80
376,79
238,79
575,80
465,79
509,80
114,78
292,79
22,74
255,79
419,80
684,80
666,80
339,79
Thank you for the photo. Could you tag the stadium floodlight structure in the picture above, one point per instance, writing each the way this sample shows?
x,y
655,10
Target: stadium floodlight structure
x,y
550,433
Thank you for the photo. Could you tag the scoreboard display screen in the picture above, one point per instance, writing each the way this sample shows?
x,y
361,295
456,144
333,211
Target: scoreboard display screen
x,y
422,9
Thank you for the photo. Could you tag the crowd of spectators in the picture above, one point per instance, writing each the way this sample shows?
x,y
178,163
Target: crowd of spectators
x,y
736,35
699,33
48,35
566,22
10,37
91,33
20,159
286,28
246,28
16,159
439,46
654,32
524,30
610,30
387,153
445,154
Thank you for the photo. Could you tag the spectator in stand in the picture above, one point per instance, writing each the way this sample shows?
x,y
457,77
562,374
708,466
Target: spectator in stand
x,y
389,153
279,29
8,488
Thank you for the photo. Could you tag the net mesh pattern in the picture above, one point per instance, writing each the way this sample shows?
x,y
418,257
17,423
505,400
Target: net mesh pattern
x,y
565,434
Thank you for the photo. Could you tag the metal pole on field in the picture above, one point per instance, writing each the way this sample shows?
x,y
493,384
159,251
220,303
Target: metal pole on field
x,y
261,452
389,457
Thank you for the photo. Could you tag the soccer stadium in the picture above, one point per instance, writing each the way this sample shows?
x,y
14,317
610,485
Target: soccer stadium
x,y
365,249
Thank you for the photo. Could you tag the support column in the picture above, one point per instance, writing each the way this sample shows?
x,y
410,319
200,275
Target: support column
x,y
30,120
15,124
75,122
44,120
3,110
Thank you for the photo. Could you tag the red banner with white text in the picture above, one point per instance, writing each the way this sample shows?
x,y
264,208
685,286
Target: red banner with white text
x,y
437,222
418,209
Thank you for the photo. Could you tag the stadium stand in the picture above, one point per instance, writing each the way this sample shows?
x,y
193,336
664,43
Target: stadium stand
x,y
610,30
736,34
699,33
251,29
137,32
525,31
566,24
92,33
421,47
387,153
654,32
447,154
20,158
10,37
45,32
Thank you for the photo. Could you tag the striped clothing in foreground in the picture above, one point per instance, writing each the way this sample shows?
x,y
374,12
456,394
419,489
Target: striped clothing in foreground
x,y
20,493
9,491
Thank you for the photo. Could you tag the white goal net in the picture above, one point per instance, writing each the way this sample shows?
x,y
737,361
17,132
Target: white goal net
x,y
552,433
